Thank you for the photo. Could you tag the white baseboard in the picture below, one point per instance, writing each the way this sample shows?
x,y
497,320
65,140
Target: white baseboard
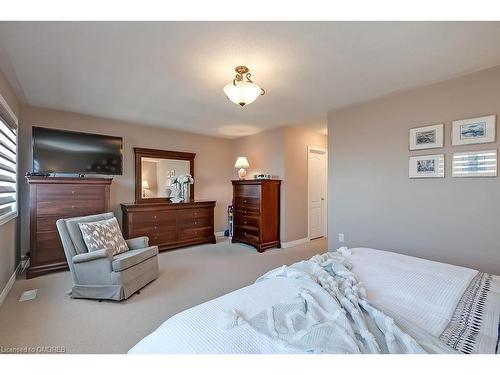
x,y
295,243
219,234
8,287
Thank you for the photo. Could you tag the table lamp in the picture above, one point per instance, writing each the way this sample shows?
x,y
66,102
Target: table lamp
x,y
242,163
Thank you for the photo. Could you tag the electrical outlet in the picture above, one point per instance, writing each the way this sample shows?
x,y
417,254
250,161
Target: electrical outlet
x,y
341,237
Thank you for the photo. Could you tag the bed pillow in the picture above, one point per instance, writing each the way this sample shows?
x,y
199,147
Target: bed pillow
x,y
103,234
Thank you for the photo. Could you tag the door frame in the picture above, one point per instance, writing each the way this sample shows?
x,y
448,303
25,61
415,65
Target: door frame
x,y
325,209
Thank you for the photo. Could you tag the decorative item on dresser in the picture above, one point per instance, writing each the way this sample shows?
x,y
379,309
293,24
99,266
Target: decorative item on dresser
x,y
257,213
53,198
242,164
170,225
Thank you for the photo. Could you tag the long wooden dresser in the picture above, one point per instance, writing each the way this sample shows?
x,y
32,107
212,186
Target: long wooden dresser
x,y
170,225
53,198
256,213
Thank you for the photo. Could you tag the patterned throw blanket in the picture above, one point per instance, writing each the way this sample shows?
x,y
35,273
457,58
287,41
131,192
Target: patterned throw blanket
x,y
347,324
467,331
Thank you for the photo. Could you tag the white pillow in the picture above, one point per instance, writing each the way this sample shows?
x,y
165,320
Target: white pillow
x,y
103,234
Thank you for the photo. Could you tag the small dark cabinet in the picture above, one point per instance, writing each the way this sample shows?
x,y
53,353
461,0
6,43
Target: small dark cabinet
x,y
256,214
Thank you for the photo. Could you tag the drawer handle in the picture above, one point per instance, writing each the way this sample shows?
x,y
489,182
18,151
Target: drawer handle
x,y
195,222
244,222
154,217
72,192
72,206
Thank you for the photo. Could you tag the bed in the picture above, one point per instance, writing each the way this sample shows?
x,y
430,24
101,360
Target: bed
x,y
446,308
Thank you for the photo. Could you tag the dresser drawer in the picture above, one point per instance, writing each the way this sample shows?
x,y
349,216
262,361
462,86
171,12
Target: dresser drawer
x,y
48,193
245,219
247,234
197,222
191,233
151,219
246,202
47,223
246,211
48,248
250,191
194,213
71,208
152,229
163,237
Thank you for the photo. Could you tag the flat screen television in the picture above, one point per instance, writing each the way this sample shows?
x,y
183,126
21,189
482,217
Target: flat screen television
x,y
61,151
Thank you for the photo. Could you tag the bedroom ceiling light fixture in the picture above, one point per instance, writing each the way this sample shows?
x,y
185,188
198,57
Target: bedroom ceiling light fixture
x,y
242,90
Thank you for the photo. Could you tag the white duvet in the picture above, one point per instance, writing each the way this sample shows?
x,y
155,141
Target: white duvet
x,y
423,292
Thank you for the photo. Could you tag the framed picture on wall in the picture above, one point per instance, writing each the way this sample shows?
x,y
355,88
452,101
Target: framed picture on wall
x,y
475,164
427,137
426,166
473,130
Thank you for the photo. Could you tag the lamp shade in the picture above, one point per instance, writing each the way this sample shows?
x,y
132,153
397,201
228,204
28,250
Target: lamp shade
x,y
242,93
145,184
241,162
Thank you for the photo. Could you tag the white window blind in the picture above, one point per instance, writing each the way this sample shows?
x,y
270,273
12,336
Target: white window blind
x,y
8,168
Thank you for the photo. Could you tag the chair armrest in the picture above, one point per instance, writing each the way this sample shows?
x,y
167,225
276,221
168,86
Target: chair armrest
x,y
93,255
138,243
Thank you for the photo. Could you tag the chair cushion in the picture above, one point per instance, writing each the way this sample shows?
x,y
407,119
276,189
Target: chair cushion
x,y
103,234
132,257
75,233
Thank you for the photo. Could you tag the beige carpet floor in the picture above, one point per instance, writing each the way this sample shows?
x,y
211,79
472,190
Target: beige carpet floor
x,y
188,277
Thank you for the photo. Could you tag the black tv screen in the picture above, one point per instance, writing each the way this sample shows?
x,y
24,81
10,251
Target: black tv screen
x,y
61,151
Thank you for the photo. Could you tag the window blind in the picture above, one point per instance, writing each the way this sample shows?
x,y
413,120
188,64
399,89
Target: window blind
x,y
8,168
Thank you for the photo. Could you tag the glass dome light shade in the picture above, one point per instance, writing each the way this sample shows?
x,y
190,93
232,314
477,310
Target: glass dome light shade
x,y
242,93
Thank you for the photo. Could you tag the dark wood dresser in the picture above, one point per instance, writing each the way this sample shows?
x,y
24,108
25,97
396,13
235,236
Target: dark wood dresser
x,y
170,225
53,198
256,217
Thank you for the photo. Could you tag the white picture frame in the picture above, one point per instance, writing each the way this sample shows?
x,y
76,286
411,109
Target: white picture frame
x,y
474,131
426,137
475,164
426,166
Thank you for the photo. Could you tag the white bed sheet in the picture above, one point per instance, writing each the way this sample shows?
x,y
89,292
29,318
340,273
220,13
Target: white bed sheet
x,y
423,292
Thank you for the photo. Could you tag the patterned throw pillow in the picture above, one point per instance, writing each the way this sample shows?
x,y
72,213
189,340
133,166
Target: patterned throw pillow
x,y
104,234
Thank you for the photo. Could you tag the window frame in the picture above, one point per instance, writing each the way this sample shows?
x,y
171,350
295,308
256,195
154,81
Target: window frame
x,y
8,117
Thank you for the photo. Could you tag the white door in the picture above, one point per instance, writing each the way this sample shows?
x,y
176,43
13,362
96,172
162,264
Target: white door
x,y
317,178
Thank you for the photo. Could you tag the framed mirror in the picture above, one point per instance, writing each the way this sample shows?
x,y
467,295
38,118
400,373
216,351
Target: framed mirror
x,y
155,171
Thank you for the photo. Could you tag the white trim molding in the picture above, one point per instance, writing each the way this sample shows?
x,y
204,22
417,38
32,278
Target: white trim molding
x,y
8,287
298,242
219,234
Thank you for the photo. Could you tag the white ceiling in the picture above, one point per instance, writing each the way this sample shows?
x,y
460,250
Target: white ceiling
x,y
171,74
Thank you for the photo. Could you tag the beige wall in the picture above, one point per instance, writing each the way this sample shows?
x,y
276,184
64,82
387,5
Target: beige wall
x,y
264,152
374,203
282,152
213,162
7,230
